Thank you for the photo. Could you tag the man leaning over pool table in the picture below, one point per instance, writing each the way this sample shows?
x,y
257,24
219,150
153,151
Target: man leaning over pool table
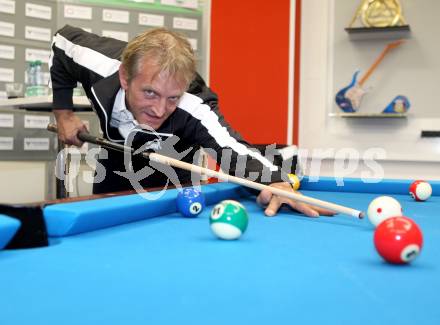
x,y
148,91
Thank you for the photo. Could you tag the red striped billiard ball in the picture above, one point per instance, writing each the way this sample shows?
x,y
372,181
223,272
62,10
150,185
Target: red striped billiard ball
x,y
398,240
420,190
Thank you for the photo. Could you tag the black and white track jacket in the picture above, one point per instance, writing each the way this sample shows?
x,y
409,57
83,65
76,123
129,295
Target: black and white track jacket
x,y
92,60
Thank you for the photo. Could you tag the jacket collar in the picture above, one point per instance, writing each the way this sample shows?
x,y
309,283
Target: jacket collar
x,y
104,92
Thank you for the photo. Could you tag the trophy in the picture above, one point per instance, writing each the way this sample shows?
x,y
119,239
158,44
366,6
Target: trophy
x,y
379,13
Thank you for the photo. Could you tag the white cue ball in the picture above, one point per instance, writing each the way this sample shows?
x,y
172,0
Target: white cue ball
x,y
383,207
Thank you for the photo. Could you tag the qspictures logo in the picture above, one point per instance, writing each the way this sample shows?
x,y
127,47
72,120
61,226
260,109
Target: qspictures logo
x,y
144,140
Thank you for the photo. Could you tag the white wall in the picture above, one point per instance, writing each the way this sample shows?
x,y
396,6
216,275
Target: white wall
x,y
406,155
23,182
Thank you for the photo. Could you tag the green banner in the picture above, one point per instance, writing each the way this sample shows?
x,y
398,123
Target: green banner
x,y
139,5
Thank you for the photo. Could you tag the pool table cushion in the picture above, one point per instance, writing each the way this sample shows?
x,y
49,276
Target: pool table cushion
x,y
66,219
8,228
32,232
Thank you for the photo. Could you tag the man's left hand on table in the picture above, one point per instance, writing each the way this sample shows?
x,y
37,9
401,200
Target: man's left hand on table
x,y
272,203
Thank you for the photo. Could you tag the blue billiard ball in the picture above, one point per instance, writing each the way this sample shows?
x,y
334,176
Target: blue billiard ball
x,y
190,202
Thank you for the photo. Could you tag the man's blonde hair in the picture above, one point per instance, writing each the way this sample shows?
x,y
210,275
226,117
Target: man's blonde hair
x,y
169,51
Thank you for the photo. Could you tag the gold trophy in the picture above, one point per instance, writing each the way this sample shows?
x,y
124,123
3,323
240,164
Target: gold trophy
x,y
379,13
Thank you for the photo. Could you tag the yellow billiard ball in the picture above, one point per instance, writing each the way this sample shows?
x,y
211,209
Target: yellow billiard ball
x,y
294,180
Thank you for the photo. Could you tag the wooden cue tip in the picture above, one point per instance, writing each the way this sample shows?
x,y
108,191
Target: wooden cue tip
x,y
361,215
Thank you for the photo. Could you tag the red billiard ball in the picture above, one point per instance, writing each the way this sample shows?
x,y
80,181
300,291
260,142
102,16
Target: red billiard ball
x,y
398,240
420,190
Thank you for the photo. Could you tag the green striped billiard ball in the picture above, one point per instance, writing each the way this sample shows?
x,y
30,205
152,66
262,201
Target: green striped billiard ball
x,y
228,220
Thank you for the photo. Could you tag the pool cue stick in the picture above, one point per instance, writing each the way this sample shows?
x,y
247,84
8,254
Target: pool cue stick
x,y
86,137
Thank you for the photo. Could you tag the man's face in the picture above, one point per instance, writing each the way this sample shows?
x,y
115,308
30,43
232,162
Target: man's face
x,y
150,96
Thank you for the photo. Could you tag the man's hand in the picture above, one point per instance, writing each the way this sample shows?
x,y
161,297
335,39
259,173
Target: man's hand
x,y
69,125
272,203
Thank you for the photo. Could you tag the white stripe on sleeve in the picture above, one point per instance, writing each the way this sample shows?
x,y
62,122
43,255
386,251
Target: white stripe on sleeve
x,y
86,57
194,106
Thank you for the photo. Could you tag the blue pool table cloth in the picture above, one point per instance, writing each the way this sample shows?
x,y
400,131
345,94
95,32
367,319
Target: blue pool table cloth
x,y
167,269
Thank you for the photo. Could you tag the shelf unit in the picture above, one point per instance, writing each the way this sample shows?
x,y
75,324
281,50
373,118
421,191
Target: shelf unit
x,y
369,115
369,33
